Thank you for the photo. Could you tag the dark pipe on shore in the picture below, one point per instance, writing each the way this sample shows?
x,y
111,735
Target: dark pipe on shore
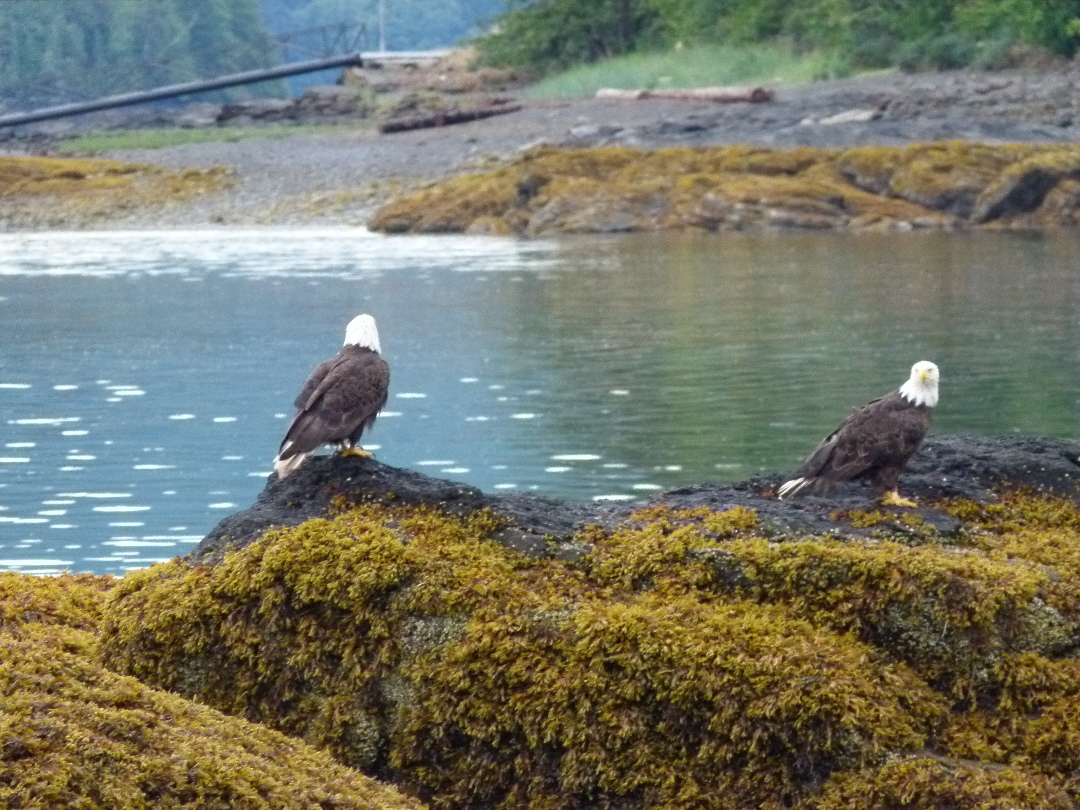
x,y
173,90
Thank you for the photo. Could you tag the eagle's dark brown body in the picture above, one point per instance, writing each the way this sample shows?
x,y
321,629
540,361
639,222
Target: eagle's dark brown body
x,y
339,401
874,442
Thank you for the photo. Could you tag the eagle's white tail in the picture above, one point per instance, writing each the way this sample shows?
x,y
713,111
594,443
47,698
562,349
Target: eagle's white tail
x,y
793,487
283,468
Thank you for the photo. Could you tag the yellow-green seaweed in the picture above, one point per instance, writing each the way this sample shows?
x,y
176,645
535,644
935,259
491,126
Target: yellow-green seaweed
x,y
684,662
59,192
74,736
933,185
483,676
937,783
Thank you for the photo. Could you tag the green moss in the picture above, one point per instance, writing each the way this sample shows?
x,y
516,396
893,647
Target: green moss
x,y
737,187
73,735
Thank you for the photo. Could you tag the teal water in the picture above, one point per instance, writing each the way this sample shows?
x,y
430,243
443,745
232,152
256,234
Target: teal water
x,y
146,378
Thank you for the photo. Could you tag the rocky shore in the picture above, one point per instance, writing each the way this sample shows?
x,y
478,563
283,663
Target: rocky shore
x,y
714,648
344,174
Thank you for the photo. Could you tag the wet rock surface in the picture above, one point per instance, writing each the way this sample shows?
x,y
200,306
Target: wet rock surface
x,y
966,467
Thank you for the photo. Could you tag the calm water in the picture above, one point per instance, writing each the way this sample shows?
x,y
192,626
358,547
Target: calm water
x,y
146,378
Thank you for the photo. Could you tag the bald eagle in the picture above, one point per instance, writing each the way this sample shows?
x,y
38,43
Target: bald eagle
x,y
340,399
875,441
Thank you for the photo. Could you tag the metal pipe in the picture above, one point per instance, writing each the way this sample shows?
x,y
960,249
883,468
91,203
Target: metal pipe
x,y
173,90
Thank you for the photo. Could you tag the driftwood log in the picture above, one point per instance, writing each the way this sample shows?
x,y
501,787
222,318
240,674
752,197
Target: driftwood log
x,y
441,119
720,95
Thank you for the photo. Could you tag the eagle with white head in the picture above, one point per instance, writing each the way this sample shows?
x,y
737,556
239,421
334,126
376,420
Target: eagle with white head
x,y
340,399
875,441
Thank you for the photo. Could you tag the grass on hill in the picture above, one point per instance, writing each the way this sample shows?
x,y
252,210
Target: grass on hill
x,y
697,66
96,143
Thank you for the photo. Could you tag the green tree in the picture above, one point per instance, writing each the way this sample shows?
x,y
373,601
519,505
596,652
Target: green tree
x,y
549,34
557,33
1054,25
60,51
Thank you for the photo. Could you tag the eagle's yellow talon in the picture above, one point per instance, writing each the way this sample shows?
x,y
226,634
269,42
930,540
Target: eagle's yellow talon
x,y
893,498
360,452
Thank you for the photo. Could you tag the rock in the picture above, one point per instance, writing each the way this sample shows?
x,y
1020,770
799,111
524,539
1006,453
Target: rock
x,y
199,114
615,189
592,132
1023,187
490,226
945,467
517,652
74,734
529,522
336,100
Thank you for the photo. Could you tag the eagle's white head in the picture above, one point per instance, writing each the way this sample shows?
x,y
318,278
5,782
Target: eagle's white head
x,y
922,386
361,332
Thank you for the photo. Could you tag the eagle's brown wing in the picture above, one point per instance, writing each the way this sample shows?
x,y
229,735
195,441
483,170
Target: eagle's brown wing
x,y
352,389
315,379
882,433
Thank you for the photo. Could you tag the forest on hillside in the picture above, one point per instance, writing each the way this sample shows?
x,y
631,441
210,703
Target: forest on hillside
x,y
548,35
63,50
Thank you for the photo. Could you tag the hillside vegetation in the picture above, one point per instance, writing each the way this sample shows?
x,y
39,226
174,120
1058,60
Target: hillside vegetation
x,y
550,35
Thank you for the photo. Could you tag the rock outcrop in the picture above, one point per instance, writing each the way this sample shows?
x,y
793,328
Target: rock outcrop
x,y
946,185
712,648
73,734
965,467
41,192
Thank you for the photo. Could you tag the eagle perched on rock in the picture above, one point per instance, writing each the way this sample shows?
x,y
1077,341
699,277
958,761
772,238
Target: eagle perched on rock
x,y
875,441
340,399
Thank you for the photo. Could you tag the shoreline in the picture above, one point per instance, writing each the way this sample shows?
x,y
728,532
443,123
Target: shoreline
x,y
343,176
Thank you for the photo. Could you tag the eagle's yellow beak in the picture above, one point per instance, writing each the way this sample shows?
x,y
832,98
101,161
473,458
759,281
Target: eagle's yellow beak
x,y
924,375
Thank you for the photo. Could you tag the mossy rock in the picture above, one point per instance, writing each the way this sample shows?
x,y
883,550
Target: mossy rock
x,y
636,677
949,612
937,783
61,192
69,600
42,175
73,735
684,662
606,189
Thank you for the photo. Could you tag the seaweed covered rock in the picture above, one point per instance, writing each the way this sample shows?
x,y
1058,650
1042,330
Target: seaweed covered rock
x,y
48,192
323,485
615,189
74,735
685,660
410,644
